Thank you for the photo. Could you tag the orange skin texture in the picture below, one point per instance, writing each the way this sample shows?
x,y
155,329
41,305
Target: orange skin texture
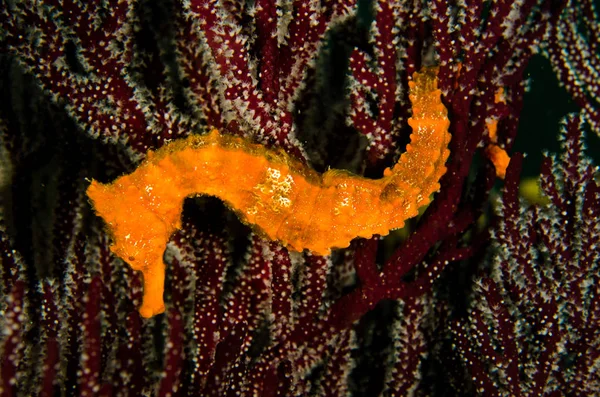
x,y
281,198
499,158
495,153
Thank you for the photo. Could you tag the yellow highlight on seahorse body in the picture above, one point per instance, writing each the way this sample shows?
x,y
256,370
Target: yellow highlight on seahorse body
x,y
281,198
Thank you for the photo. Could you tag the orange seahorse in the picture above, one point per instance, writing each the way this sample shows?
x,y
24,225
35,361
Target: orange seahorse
x,y
280,197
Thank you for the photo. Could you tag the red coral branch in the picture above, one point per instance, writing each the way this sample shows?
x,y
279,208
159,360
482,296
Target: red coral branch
x,y
246,316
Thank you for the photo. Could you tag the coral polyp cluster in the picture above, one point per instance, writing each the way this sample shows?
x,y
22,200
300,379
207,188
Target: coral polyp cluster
x,y
472,296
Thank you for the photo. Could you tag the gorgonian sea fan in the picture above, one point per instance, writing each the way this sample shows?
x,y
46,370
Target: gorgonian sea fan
x,y
532,326
105,83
